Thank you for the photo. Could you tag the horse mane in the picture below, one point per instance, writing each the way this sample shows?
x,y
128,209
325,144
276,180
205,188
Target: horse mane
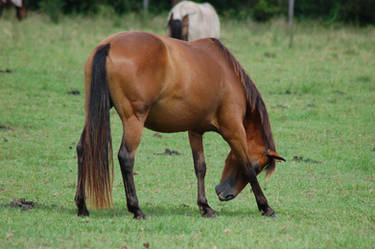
x,y
176,29
254,100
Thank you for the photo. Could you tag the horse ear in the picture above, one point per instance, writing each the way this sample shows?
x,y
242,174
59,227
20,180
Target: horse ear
x,y
185,19
274,155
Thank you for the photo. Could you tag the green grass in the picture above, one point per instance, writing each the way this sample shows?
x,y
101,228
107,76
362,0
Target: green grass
x,y
320,96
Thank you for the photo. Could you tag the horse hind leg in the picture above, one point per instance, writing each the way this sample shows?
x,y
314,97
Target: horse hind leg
x,y
200,172
126,155
21,12
80,194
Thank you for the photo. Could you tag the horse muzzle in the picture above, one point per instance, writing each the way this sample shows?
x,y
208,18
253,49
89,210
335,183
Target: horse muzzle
x,y
225,190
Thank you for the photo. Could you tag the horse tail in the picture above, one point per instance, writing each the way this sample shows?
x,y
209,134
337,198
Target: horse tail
x,y
97,170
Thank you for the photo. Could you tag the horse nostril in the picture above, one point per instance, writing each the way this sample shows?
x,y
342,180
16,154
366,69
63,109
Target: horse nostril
x,y
225,190
229,197
225,197
221,196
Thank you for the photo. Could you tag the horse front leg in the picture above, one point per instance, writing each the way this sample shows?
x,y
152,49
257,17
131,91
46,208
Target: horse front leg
x,y
200,172
236,138
126,155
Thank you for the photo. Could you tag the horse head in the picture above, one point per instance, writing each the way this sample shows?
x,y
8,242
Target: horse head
x,y
260,147
177,28
233,179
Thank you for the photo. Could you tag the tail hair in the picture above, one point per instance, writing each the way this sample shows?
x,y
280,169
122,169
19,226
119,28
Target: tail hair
x,y
97,174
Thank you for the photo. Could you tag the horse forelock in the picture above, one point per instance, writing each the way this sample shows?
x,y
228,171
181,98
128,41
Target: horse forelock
x,y
254,99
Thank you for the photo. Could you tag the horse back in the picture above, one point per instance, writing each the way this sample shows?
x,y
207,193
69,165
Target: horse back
x,y
211,82
173,85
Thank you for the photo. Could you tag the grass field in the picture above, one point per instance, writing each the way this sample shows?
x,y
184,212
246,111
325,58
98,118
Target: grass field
x,y
320,96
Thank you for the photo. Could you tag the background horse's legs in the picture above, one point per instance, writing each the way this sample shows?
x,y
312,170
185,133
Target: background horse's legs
x,y
80,194
126,155
21,12
200,171
235,135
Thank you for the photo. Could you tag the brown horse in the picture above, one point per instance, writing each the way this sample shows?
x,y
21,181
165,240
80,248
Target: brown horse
x,y
168,85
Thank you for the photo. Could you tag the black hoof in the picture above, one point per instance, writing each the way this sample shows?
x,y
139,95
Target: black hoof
x,y
83,213
269,213
139,216
209,214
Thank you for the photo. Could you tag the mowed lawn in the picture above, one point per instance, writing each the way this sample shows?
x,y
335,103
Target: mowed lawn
x,y
321,99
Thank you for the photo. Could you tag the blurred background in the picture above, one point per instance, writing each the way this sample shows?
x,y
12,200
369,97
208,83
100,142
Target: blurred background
x,y
320,95
354,11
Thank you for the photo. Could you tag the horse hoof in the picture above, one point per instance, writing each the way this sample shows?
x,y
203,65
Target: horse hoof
x,y
83,213
269,213
209,214
139,216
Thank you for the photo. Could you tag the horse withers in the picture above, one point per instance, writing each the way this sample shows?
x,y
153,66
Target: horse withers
x,y
190,21
168,85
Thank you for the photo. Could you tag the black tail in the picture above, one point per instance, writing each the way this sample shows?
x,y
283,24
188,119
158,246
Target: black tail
x,y
97,150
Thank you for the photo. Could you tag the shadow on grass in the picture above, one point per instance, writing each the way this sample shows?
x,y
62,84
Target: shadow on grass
x,y
239,213
173,211
53,208
151,210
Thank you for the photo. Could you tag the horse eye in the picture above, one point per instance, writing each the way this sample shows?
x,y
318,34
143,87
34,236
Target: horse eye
x,y
269,160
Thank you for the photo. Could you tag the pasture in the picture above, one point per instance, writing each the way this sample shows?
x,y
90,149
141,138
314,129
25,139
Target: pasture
x,y
320,96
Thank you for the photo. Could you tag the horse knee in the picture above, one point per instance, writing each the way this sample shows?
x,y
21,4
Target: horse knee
x,y
200,170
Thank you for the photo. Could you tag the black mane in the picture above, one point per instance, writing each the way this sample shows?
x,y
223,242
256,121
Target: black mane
x,y
254,100
176,29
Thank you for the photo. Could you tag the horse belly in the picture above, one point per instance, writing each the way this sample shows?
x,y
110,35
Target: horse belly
x,y
179,116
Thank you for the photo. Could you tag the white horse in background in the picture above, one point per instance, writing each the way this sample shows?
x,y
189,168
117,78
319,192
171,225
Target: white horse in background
x,y
190,21
19,4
